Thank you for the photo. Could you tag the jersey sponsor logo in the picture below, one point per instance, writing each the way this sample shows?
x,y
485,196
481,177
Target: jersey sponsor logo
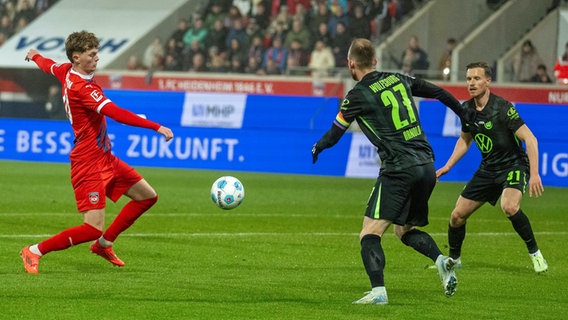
x,y
512,113
484,143
96,95
344,103
93,197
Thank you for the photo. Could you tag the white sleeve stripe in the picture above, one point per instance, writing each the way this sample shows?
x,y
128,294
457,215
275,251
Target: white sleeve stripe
x,y
102,105
51,69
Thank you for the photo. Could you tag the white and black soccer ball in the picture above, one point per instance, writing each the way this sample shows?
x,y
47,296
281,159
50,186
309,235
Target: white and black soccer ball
x,y
227,192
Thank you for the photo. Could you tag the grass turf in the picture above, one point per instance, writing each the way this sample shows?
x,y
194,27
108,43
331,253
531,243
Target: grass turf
x,y
290,251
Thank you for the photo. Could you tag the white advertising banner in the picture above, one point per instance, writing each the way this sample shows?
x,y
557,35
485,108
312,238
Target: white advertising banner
x,y
363,160
213,110
118,24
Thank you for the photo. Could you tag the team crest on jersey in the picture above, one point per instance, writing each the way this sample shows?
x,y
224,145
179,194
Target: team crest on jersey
x,y
94,197
488,125
96,95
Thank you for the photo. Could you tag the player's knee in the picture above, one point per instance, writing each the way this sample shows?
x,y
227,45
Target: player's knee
x,y
509,209
456,219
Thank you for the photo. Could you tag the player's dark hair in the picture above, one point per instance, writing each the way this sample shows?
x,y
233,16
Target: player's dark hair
x,y
80,42
483,65
362,53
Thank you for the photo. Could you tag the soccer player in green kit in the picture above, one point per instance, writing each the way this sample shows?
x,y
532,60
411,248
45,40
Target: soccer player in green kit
x,y
383,106
498,131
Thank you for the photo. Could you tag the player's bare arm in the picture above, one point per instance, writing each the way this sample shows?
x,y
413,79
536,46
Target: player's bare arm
x,y
31,54
535,183
460,149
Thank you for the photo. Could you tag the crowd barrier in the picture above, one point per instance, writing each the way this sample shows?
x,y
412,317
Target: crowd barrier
x,y
265,133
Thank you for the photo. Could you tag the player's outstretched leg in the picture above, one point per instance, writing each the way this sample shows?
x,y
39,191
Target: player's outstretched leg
x,y
446,271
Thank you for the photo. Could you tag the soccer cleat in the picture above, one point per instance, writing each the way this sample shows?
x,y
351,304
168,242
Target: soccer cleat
x,y
447,274
540,265
373,298
30,259
106,253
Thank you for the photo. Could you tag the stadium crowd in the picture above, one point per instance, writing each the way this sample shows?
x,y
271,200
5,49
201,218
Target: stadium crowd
x,y
17,14
271,37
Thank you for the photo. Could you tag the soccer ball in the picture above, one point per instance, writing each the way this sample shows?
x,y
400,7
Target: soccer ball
x,y
227,192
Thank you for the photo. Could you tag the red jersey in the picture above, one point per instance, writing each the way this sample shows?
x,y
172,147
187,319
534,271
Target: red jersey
x,y
86,107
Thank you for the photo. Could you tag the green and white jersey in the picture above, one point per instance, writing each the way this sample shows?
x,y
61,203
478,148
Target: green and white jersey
x,y
493,131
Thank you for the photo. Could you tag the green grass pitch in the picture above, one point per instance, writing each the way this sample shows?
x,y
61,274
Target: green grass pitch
x,y
290,251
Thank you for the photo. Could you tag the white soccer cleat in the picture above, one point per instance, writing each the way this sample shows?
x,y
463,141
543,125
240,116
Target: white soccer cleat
x,y
447,274
373,298
539,263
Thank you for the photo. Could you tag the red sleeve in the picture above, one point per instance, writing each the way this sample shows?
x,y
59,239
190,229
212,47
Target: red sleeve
x,y
121,115
49,66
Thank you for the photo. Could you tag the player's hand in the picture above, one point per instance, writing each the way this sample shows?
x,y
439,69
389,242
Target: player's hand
x,y
166,132
31,54
442,171
535,186
315,151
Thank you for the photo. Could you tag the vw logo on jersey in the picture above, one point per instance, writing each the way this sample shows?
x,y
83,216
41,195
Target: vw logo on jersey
x,y
484,143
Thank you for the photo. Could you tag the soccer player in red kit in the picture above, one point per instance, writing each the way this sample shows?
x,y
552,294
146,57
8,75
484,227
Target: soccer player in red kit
x,y
95,172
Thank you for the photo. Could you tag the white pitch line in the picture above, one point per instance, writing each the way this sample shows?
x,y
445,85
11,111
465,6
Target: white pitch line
x,y
275,234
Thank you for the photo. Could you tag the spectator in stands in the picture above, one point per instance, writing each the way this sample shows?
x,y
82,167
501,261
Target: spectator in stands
x,y
24,10
21,23
339,16
301,13
172,49
187,59
179,33
415,58
256,50
261,15
275,57
321,60
3,38
236,66
6,26
377,11
336,5
217,61
154,54
525,62
321,15
253,66
198,63
236,51
297,58
41,6
214,13
340,43
196,33
271,68
298,33
233,15
216,36
322,34
541,75
253,29
172,63
445,63
237,32
359,23
282,19
133,63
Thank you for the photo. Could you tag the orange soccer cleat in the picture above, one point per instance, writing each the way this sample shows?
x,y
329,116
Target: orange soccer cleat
x,y
30,259
106,253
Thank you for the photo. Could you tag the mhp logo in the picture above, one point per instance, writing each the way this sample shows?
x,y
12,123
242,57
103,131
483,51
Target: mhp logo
x,y
212,110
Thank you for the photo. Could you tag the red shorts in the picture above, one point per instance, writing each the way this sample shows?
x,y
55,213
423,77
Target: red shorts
x,y
92,183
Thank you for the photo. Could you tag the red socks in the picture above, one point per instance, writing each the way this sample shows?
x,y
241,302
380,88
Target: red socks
x,y
131,211
69,237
